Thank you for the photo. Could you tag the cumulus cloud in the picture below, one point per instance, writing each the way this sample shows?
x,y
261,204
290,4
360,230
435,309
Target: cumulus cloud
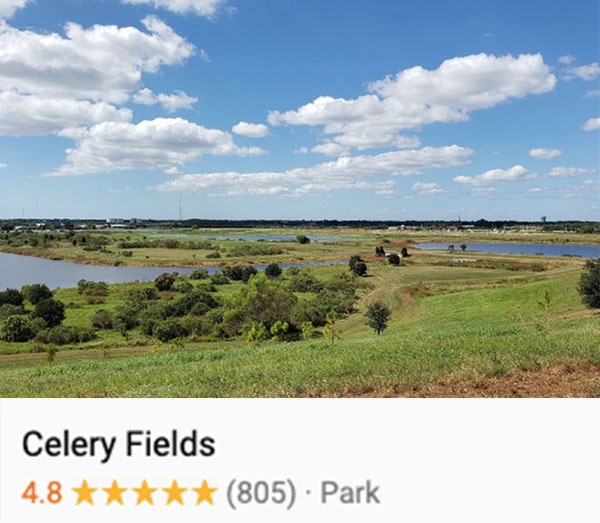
x,y
585,72
566,59
252,130
206,8
482,192
544,154
162,143
331,149
591,125
516,173
592,93
104,62
8,7
426,188
301,150
417,96
357,172
170,102
569,171
29,115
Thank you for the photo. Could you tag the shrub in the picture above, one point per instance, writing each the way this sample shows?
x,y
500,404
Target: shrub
x,y
256,333
171,244
219,279
164,281
126,317
379,252
199,274
273,270
358,266
92,288
308,330
51,311
36,293
394,259
17,329
279,329
183,287
63,335
142,295
213,255
7,310
302,239
589,284
102,319
303,280
237,273
404,253
378,316
168,330
11,297
127,254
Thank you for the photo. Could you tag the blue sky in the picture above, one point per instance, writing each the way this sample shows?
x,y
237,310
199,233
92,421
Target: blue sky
x,y
299,110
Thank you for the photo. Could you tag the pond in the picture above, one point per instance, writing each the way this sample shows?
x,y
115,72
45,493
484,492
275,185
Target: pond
x,y
546,249
16,271
253,237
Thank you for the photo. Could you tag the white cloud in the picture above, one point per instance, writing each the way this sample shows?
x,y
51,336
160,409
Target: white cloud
x,y
482,192
171,102
301,150
544,154
22,115
535,189
514,174
163,144
586,72
99,63
8,7
417,97
3,166
331,149
207,8
569,171
252,130
592,124
345,173
427,188
592,93
566,59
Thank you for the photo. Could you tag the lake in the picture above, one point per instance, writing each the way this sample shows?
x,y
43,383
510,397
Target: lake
x,y
253,237
546,249
16,271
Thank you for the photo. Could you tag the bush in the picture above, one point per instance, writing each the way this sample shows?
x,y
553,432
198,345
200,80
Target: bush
x,y
394,259
7,310
213,255
11,297
219,279
358,266
378,316
51,311
127,254
302,239
273,270
237,273
164,281
36,293
142,295
379,252
183,287
589,284
404,252
92,288
126,317
102,319
63,335
17,329
199,274
302,280
168,330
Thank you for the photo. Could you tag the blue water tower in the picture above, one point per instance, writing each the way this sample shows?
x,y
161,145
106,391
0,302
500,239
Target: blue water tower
x,y
543,219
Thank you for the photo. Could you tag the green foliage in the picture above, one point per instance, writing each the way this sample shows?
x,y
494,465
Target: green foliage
x,y
394,259
142,295
404,253
7,310
213,255
378,316
11,297
238,273
36,292
63,335
451,248
219,279
168,330
199,274
463,247
254,249
102,319
330,332
308,330
279,329
164,281
302,280
302,239
544,301
379,252
51,311
358,266
183,287
256,333
50,355
273,270
17,329
589,284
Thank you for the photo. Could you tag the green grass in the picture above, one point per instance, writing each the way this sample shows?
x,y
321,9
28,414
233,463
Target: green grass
x,y
446,320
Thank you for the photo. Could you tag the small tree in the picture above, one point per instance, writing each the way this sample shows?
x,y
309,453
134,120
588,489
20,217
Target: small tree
x,y
378,315
51,351
164,281
51,311
394,259
330,331
273,270
11,297
199,274
279,329
463,247
257,333
36,293
357,265
589,284
379,252
17,328
302,239
308,330
404,253
451,248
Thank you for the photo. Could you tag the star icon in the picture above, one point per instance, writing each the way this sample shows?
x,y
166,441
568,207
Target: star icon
x,y
175,493
144,493
84,493
204,493
115,493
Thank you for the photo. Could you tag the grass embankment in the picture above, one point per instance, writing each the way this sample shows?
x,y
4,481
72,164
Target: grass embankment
x,y
454,331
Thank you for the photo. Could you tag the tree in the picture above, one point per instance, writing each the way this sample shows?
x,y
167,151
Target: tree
x,y
273,270
357,265
378,315
379,252
51,311
164,281
199,274
11,297
589,284
302,239
451,248
257,333
36,293
17,328
463,247
307,330
279,329
394,259
330,331
168,330
404,253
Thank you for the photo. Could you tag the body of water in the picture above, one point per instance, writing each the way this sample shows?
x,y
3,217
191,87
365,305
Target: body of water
x,y
546,249
253,237
16,271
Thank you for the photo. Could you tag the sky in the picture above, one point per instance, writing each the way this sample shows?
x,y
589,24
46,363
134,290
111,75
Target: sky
x,y
319,109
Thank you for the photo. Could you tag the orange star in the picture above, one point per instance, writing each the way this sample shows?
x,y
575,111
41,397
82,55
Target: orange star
x,y
204,493
144,493
84,493
175,493
115,493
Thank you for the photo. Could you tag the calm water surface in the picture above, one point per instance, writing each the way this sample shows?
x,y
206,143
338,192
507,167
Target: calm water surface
x,y
585,251
253,237
16,271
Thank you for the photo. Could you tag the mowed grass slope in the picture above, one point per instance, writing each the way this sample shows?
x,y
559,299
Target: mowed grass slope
x,y
450,325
